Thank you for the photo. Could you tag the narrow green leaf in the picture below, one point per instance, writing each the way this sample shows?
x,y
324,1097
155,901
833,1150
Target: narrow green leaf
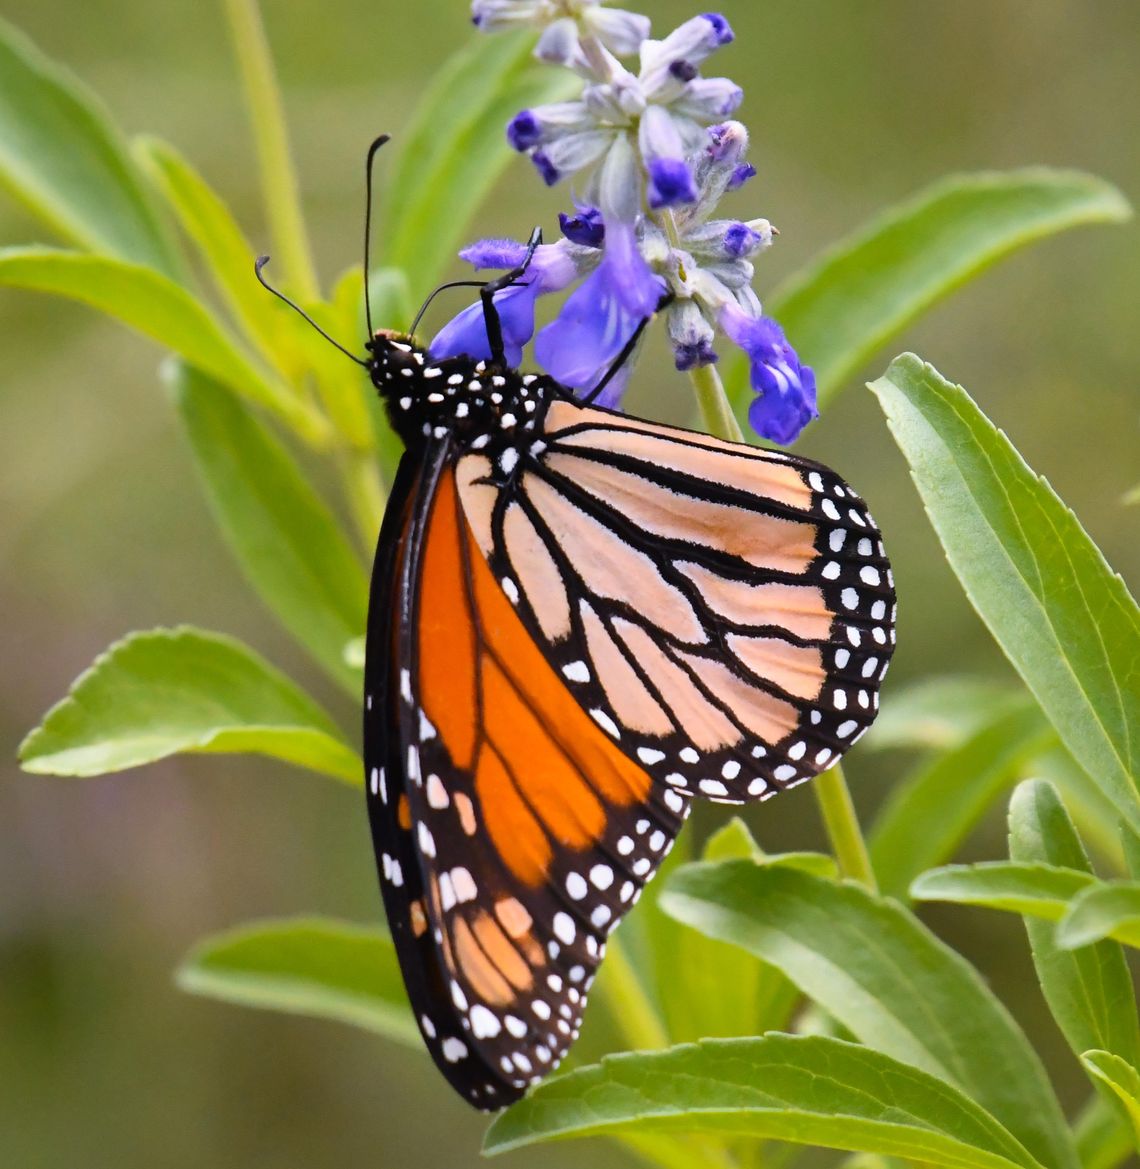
x,y
867,288
1035,890
154,305
884,977
306,966
1089,992
806,1090
950,794
169,691
63,158
1061,615
1104,911
287,541
228,255
1130,846
457,148
1103,1134
939,713
1121,1078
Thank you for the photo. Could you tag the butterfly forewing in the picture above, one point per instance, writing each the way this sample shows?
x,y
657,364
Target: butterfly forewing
x,y
725,614
512,833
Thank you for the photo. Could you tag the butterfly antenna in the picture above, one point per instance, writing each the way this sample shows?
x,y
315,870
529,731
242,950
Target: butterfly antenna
x,y
261,262
368,169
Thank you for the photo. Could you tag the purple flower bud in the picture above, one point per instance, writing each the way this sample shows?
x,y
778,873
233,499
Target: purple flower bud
x,y
670,182
524,130
683,71
550,173
722,30
787,401
690,356
585,228
741,175
740,240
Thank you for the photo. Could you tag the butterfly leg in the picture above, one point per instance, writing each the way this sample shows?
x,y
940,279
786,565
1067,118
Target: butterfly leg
x,y
489,291
627,351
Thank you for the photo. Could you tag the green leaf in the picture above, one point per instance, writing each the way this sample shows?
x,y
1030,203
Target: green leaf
x,y
949,795
61,156
884,977
169,691
1121,1078
867,288
1089,992
1104,911
157,307
457,148
1061,615
287,541
228,255
940,712
1035,890
1104,1137
306,966
805,1090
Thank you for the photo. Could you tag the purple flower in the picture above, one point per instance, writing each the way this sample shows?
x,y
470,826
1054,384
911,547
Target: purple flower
x,y
600,317
586,228
786,388
741,175
741,241
550,270
670,183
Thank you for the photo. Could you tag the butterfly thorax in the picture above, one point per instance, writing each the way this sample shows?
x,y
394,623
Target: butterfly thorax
x,y
477,404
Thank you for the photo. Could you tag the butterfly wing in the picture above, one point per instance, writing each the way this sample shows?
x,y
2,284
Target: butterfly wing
x,y
511,831
724,613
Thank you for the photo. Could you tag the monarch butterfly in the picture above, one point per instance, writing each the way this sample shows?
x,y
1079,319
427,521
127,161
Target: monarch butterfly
x,y
579,622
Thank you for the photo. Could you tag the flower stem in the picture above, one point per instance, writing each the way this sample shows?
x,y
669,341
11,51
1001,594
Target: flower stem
x,y
628,1003
718,417
834,800
278,178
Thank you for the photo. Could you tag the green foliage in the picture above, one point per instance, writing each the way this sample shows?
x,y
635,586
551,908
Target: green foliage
x,y
1064,619
807,1090
60,154
884,977
1121,1078
1102,911
742,943
951,793
156,694
306,966
844,306
286,539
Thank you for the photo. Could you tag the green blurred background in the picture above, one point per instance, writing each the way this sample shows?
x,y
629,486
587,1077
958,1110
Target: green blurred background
x,y
105,883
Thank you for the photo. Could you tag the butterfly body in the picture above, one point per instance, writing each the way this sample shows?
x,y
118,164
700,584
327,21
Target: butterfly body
x,y
579,622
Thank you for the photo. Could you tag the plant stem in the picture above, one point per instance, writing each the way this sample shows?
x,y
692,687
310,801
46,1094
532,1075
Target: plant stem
x,y
628,1003
834,800
275,162
717,414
